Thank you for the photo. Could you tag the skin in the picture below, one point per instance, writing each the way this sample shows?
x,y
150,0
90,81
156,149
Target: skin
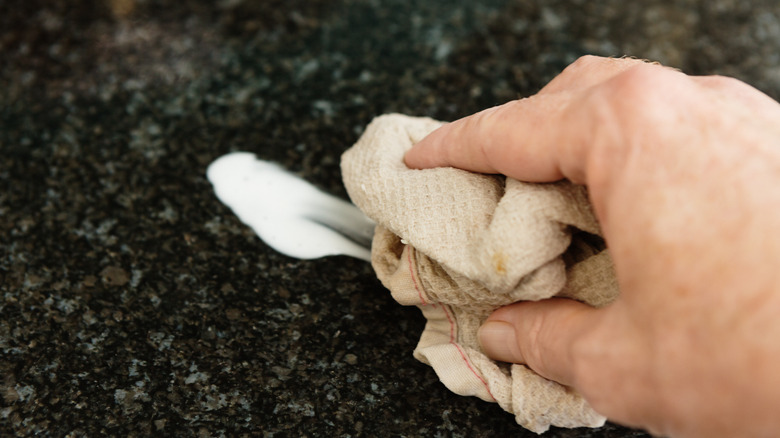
x,y
684,177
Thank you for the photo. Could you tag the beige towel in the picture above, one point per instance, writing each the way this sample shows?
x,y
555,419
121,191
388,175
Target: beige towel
x,y
459,245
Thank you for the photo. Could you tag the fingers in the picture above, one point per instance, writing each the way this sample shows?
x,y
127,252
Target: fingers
x,y
594,351
602,353
537,139
549,336
509,139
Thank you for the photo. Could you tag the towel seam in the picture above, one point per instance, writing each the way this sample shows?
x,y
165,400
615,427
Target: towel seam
x,y
451,320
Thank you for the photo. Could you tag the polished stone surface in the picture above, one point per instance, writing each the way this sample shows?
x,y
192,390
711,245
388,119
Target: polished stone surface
x,y
134,303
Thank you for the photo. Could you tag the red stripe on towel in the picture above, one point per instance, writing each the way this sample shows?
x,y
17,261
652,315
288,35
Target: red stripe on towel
x,y
452,324
463,354
414,280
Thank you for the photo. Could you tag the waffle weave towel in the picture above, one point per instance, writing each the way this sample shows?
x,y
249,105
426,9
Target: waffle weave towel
x,y
459,245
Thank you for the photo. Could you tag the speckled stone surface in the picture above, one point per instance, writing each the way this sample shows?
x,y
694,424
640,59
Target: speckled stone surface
x,y
134,303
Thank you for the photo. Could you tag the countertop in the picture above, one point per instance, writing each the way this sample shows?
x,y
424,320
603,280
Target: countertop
x,y
134,303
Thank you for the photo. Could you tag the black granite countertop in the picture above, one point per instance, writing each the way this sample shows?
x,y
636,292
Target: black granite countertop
x,y
134,303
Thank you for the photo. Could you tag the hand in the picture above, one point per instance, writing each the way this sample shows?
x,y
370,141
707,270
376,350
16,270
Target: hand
x,y
684,176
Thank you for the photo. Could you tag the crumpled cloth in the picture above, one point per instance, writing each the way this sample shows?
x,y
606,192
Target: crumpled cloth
x,y
459,245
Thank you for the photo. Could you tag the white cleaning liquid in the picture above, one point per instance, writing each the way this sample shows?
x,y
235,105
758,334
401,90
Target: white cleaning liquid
x,y
289,214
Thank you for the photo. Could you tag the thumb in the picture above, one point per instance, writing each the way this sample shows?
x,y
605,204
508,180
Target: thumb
x,y
549,336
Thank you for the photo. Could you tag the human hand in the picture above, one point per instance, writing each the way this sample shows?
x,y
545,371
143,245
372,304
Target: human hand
x,y
684,177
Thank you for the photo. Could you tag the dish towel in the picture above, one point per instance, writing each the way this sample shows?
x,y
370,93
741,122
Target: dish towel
x,y
459,245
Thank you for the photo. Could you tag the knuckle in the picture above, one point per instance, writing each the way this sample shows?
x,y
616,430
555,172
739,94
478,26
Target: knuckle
x,y
542,343
588,60
637,84
632,102
644,84
593,62
486,124
531,349
584,63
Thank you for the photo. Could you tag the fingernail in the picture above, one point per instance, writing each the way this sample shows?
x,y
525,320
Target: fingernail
x,y
499,341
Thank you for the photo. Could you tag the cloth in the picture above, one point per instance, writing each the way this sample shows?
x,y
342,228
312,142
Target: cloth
x,y
459,245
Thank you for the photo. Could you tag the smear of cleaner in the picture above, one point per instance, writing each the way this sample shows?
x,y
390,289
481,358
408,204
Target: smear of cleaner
x,y
289,214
